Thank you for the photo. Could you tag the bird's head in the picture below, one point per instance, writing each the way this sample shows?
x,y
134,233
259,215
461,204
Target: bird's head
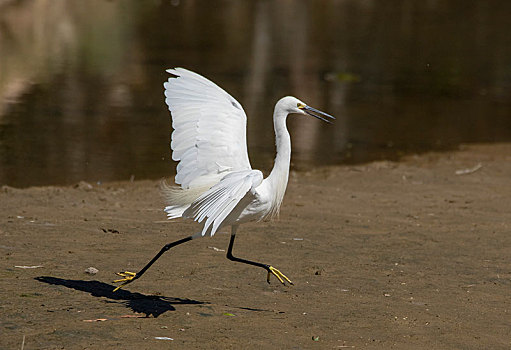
x,y
293,105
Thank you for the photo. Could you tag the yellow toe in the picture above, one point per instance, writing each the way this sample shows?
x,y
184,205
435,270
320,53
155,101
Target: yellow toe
x,y
280,276
128,277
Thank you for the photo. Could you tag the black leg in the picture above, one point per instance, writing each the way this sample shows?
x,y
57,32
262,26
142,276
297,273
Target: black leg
x,y
131,276
271,270
233,258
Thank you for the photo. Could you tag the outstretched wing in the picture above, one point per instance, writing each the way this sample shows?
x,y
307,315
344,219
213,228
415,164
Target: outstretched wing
x,y
214,206
209,135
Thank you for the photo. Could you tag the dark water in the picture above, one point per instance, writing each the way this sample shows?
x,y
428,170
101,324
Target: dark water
x,y
81,81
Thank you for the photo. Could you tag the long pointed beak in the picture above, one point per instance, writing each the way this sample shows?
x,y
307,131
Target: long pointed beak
x,y
313,112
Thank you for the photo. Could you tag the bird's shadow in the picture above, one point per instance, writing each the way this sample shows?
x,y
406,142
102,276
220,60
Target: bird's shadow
x,y
150,305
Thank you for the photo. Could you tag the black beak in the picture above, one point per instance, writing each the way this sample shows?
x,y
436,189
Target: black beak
x,y
313,112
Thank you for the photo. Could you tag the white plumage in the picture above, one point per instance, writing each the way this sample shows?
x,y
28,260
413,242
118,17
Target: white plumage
x,y
209,135
217,186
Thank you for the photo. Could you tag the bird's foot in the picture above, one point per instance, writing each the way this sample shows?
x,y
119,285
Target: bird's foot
x,y
128,277
280,276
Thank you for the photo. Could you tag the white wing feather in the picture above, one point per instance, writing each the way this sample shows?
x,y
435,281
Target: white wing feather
x,y
215,206
209,137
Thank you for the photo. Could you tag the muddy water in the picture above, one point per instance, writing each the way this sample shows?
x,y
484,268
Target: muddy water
x,y
81,82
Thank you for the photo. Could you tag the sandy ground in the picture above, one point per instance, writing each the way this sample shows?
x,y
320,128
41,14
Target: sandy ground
x,y
386,255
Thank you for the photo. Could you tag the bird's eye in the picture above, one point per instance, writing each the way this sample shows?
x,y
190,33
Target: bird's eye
x,y
300,105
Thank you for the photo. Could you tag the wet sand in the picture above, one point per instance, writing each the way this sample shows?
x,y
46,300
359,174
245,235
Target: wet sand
x,y
387,255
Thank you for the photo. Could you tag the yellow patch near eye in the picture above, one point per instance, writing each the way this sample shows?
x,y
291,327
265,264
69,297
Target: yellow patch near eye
x,y
300,105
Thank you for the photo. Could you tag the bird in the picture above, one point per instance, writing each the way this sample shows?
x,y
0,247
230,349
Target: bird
x,y
215,183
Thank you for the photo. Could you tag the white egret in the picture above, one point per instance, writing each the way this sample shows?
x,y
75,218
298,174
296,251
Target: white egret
x,y
218,187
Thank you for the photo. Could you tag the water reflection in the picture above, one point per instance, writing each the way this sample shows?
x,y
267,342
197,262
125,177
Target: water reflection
x,y
81,95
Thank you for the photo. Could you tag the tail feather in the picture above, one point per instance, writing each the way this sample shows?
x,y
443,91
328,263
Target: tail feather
x,y
179,199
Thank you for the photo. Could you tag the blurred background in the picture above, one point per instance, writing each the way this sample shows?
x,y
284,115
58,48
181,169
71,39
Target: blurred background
x,y
81,95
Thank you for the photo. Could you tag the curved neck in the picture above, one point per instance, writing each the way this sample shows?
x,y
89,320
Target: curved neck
x,y
283,146
277,180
